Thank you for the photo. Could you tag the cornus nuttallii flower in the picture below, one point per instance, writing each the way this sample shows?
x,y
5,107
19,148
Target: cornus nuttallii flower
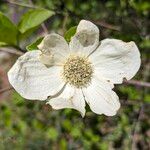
x,y
83,71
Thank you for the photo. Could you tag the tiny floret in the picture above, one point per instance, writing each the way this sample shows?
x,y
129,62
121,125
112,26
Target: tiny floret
x,y
77,71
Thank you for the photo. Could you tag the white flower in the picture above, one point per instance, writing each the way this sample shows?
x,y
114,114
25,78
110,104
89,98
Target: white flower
x,y
83,71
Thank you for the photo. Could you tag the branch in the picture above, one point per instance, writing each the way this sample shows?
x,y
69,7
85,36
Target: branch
x,y
133,137
21,4
5,89
12,51
107,25
138,83
44,28
43,24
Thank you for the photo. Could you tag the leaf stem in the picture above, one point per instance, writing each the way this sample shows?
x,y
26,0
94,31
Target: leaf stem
x,y
6,89
138,83
12,51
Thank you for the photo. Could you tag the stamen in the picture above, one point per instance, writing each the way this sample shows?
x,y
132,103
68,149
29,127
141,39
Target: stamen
x,y
77,71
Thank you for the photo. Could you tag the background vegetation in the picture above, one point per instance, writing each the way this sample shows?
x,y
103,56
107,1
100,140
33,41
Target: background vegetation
x,y
33,125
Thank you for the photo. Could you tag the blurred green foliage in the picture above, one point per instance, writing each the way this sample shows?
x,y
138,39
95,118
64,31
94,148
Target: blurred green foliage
x,y
32,124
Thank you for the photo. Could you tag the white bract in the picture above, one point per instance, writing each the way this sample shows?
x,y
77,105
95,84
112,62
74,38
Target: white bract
x,y
86,70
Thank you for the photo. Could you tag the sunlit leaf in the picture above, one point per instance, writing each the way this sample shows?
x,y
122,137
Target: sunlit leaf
x,y
33,18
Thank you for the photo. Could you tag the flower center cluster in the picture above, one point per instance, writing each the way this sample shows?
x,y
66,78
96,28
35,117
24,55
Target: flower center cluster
x,y
77,71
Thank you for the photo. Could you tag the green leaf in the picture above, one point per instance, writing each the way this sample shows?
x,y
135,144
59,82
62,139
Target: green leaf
x,y
8,30
34,45
33,18
70,33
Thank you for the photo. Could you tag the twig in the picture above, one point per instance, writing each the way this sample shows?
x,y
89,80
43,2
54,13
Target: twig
x,y
12,51
126,102
133,138
6,89
21,4
107,25
138,83
43,24
100,23
64,23
44,28
141,110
